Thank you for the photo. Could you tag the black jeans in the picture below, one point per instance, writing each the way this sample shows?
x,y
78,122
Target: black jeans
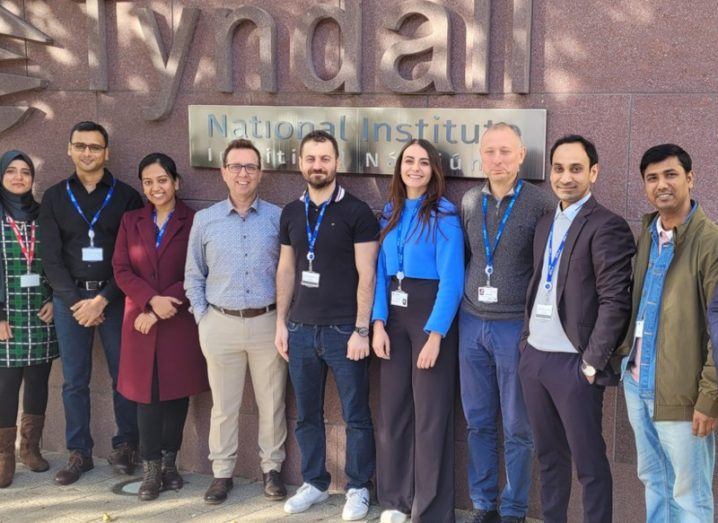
x,y
160,423
34,399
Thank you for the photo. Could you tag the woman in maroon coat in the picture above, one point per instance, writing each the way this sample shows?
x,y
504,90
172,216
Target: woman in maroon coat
x,y
161,363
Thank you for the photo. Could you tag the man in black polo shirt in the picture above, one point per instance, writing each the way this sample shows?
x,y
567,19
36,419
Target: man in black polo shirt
x,y
79,218
326,272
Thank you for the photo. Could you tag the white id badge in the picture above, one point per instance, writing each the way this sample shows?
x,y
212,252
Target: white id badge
x,y
399,298
488,294
92,254
639,329
310,279
29,280
544,310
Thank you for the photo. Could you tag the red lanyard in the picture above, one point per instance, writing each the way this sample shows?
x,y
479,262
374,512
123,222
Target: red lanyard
x,y
28,253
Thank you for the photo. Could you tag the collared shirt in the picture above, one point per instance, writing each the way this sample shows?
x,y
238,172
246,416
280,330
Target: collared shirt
x,y
63,234
232,260
347,221
660,259
547,334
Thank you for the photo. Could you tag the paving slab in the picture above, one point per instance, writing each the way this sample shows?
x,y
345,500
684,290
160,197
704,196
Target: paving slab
x,y
34,498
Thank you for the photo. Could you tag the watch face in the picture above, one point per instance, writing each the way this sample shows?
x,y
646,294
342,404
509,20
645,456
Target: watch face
x,y
362,331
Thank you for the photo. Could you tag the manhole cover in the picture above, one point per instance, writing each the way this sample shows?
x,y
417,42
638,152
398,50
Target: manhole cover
x,y
127,488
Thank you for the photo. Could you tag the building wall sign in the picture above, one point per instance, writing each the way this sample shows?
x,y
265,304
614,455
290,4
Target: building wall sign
x,y
369,138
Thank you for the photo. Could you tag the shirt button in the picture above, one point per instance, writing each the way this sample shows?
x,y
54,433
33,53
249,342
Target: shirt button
x,y
247,291
244,236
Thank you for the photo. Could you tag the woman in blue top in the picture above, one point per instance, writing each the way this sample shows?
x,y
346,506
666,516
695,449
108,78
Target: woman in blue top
x,y
419,285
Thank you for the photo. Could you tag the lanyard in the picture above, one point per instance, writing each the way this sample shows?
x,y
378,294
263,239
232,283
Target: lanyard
x,y
401,242
162,230
312,235
553,260
27,252
90,223
489,270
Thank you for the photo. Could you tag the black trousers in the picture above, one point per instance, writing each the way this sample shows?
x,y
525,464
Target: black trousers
x,y
565,412
160,423
34,398
415,437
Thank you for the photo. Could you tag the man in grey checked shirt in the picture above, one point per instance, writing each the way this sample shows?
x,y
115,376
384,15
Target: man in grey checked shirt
x,y
230,283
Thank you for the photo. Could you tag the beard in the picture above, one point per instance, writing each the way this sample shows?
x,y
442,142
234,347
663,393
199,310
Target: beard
x,y
320,183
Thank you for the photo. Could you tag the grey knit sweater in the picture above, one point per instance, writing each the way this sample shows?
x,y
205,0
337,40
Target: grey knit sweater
x,y
513,259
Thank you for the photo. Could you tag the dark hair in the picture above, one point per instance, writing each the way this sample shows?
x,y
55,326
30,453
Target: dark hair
x,y
433,194
88,126
577,138
167,163
319,136
241,143
658,153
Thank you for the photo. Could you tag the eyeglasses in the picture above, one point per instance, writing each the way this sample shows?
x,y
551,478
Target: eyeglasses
x,y
236,168
79,147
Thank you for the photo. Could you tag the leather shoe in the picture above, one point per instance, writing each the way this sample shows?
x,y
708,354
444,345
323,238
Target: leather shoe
x,y
217,491
77,464
274,488
123,458
485,516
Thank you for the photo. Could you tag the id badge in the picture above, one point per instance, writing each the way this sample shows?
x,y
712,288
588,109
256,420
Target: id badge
x,y
399,298
488,294
544,310
92,254
310,279
29,280
639,329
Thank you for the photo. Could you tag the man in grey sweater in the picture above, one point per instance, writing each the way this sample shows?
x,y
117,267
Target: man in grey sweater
x,y
499,220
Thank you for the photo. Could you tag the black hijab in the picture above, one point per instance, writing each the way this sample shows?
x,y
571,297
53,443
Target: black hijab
x,y
20,207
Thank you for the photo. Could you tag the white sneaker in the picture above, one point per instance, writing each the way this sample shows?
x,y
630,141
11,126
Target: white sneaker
x,y
306,496
393,516
357,504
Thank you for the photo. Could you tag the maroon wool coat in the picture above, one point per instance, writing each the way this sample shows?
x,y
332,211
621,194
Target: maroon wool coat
x,y
141,272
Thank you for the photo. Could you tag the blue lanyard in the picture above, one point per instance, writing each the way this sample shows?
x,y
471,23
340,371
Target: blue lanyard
x,y
312,235
90,223
499,231
162,229
401,241
553,259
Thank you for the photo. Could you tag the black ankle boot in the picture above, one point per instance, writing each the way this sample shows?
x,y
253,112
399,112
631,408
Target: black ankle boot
x,y
171,479
151,480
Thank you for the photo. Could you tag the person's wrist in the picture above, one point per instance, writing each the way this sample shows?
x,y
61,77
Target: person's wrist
x,y
362,330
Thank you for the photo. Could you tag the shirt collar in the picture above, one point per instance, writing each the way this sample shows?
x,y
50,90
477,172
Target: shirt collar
x,y
572,210
486,189
105,180
229,206
669,232
339,193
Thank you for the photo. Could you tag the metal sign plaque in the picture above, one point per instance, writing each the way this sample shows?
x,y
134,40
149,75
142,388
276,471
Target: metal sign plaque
x,y
369,138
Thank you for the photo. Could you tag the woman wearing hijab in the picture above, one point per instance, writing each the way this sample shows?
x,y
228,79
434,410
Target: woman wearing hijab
x,y
27,338
161,363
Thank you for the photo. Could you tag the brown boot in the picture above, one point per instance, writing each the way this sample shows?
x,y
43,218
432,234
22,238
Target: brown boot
x,y
7,455
30,433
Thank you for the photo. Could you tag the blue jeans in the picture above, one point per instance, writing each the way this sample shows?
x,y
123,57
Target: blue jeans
x,y
488,366
313,349
76,354
675,466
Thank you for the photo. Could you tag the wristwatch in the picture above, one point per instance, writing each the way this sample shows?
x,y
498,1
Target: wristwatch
x,y
588,370
362,331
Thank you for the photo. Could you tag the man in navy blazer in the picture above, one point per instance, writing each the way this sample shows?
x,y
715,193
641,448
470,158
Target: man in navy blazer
x,y
577,312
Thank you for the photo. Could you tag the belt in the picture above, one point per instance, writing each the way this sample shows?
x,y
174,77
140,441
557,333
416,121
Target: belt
x,y
91,285
247,313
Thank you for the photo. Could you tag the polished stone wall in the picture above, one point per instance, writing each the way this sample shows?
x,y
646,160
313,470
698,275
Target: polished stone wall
x,y
626,74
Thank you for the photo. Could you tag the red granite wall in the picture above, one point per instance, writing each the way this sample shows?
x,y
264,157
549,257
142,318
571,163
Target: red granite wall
x,y
626,74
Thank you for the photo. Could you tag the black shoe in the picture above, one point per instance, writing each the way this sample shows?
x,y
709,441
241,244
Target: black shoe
x,y
217,491
76,466
274,488
151,480
485,516
171,479
513,519
123,458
